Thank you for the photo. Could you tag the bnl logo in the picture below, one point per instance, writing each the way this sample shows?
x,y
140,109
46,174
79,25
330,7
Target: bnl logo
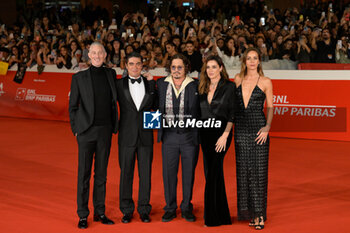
x,y
151,120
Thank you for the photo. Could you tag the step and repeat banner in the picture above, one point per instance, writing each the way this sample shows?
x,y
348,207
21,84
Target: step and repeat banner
x,y
307,104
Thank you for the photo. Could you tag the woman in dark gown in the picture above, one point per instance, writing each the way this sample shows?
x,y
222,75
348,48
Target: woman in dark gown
x,y
251,138
217,96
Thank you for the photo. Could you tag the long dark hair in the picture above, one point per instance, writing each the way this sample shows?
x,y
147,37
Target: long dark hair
x,y
112,53
226,49
77,43
244,70
204,80
18,52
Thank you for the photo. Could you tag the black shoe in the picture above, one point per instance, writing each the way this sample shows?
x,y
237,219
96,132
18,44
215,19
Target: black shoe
x,y
168,216
260,225
103,218
188,216
145,218
127,218
82,223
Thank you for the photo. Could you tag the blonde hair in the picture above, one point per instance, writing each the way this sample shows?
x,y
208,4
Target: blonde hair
x,y
244,61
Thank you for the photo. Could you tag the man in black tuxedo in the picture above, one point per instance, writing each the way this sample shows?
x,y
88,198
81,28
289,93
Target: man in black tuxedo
x,y
178,101
93,117
136,94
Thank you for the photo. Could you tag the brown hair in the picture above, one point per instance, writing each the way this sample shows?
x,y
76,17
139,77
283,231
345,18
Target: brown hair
x,y
184,60
244,60
204,80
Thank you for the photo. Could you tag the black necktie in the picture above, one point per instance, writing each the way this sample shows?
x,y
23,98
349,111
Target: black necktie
x,y
133,80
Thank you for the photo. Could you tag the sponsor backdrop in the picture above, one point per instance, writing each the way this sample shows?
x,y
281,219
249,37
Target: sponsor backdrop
x,y
307,105
43,96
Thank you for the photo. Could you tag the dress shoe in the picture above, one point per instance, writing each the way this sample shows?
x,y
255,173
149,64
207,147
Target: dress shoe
x,y
82,223
127,218
103,219
168,216
145,218
188,216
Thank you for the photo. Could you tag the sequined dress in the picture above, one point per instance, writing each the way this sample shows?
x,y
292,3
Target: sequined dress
x,y
251,158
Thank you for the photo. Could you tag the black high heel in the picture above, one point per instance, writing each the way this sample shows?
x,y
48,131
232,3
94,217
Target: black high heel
x,y
251,223
261,224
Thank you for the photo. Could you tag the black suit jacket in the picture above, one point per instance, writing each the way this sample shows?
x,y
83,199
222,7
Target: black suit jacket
x,y
131,119
81,101
222,106
191,103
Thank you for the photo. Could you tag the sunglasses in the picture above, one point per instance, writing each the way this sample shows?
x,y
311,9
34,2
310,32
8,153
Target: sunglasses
x,y
177,68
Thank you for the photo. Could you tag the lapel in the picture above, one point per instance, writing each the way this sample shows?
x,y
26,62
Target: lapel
x,y
217,90
127,92
87,82
189,97
111,83
162,94
146,96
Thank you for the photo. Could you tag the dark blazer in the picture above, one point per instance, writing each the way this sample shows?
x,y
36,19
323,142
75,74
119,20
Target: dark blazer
x,y
131,119
81,101
223,104
191,103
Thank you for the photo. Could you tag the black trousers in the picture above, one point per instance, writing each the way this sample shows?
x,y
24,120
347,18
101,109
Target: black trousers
x,y
127,156
216,211
95,141
175,146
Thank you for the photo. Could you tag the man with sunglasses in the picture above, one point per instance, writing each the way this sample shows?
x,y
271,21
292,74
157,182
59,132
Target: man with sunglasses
x,y
178,102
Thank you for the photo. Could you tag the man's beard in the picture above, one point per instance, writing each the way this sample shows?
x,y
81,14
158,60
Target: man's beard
x,y
176,76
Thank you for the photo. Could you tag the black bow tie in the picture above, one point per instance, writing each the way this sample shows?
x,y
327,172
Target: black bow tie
x,y
133,80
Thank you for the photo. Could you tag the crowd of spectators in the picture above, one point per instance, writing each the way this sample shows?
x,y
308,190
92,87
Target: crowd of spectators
x,y
313,33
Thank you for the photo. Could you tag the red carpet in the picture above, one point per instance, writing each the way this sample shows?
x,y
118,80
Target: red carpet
x,y
309,185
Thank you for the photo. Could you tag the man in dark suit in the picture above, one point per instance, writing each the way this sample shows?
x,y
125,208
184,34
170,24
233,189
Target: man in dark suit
x,y
178,101
93,117
136,94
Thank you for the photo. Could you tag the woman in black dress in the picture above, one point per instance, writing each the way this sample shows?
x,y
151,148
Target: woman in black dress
x,y
217,96
251,138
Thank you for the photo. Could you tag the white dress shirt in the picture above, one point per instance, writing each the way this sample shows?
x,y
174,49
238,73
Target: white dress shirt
x,y
137,91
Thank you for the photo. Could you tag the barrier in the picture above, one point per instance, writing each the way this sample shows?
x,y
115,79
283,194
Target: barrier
x,y
308,104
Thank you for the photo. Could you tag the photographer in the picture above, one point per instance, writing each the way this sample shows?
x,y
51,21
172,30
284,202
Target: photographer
x,y
342,50
324,48
261,45
43,53
304,50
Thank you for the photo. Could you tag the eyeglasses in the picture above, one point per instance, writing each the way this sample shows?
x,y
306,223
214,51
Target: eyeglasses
x,y
177,67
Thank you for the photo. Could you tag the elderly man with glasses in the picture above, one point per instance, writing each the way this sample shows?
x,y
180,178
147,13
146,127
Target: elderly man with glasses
x,y
178,102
